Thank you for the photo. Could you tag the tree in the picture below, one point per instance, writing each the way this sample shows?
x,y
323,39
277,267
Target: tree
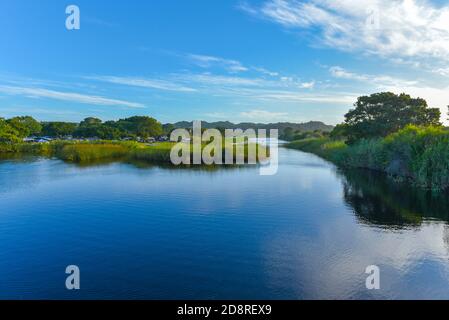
x,y
58,129
168,128
25,126
288,134
340,131
101,131
7,133
383,113
91,121
88,128
141,126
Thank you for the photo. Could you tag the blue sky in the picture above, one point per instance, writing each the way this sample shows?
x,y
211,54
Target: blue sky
x,y
258,61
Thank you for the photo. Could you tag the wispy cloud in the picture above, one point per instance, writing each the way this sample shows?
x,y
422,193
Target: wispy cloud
x,y
263,115
307,85
266,72
379,80
436,96
252,115
210,61
33,92
291,96
209,80
232,66
143,82
408,30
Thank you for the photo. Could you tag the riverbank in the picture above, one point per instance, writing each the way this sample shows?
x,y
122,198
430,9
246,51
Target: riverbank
x,y
419,155
82,152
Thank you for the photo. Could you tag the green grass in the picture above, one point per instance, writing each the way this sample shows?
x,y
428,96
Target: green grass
x,y
418,154
91,152
83,152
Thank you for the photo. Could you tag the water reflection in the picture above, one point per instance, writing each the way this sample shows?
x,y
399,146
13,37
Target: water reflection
x,y
380,201
225,233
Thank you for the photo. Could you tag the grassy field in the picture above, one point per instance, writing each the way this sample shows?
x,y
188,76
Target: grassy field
x,y
417,154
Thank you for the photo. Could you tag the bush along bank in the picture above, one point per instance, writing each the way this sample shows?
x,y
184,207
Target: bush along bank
x,y
417,154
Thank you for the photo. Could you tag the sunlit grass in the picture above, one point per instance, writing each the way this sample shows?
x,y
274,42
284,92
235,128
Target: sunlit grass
x,y
419,154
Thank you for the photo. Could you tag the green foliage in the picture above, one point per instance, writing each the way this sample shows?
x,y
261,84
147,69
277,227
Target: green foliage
x,y
289,135
8,135
381,114
419,154
25,126
93,127
157,153
140,126
168,128
58,129
340,132
83,152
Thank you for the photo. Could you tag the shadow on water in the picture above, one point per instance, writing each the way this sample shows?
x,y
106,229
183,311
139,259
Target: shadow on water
x,y
379,201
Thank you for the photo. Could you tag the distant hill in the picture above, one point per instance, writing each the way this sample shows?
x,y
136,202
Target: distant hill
x,y
281,126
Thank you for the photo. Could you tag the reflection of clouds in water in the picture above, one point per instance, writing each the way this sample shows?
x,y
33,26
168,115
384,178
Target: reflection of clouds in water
x,y
331,263
293,235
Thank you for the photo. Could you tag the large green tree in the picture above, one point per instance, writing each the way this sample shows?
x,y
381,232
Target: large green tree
x,y
58,129
141,126
91,121
93,127
383,113
7,133
25,126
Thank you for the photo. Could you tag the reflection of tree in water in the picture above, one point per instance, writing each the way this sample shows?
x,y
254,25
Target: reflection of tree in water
x,y
378,200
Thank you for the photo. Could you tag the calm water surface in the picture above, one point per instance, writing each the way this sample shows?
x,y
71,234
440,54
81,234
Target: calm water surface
x,y
140,232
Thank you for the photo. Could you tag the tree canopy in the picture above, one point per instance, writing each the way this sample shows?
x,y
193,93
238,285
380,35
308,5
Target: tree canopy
x,y
25,126
58,129
138,126
7,133
383,113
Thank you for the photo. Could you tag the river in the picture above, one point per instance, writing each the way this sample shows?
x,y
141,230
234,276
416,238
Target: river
x,y
146,232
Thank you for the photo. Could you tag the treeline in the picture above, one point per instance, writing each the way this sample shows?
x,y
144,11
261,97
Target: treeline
x,y
392,133
285,128
15,129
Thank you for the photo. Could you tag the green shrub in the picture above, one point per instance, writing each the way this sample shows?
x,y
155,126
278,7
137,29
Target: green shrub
x,y
420,154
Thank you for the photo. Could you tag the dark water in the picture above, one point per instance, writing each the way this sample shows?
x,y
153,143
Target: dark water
x,y
146,232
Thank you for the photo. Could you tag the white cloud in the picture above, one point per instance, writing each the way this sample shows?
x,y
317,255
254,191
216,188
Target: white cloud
x,y
408,30
291,96
435,97
379,80
307,85
66,96
209,61
266,72
209,80
232,66
339,72
263,115
284,89
144,83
